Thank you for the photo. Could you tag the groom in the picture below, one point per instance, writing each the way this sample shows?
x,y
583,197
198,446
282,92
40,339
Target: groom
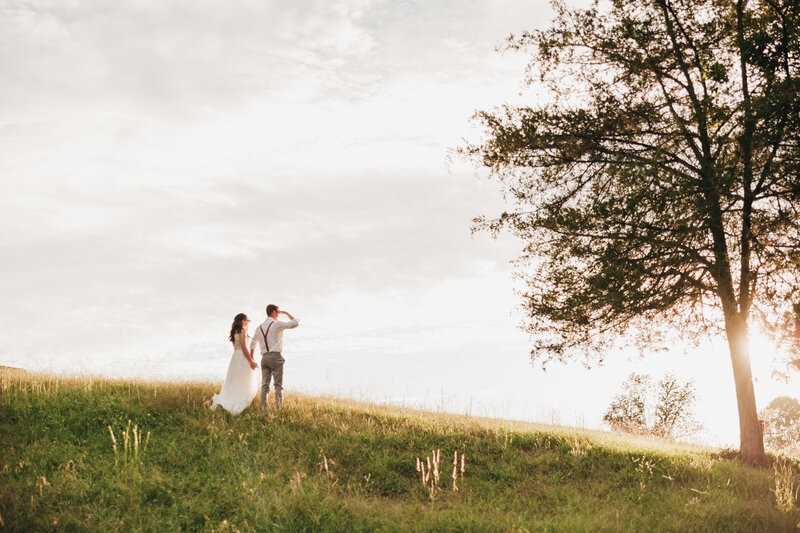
x,y
269,338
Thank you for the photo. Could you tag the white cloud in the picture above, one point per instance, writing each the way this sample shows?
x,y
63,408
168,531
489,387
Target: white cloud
x,y
151,150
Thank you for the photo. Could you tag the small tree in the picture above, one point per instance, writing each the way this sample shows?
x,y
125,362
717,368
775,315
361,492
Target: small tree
x,y
673,415
627,411
781,420
664,412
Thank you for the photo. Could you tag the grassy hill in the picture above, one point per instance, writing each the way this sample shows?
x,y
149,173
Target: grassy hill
x,y
334,465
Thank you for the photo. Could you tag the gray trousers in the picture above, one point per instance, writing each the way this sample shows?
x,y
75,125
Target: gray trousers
x,y
272,368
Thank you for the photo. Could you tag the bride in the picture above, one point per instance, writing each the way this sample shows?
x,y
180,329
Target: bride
x,y
241,383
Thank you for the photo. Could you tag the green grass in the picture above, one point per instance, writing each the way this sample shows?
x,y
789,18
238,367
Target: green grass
x,y
204,470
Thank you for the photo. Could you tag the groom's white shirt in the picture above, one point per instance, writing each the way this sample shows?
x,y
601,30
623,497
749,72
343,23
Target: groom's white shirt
x,y
274,335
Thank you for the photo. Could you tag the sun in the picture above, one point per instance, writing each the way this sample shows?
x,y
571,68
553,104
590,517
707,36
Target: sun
x,y
766,362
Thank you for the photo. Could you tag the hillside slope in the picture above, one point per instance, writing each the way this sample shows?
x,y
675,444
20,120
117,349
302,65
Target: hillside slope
x,y
335,465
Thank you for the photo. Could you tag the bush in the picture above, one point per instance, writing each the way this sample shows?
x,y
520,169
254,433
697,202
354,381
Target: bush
x,y
781,421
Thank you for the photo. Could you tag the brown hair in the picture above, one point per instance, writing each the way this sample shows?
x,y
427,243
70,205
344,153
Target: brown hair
x,y
238,324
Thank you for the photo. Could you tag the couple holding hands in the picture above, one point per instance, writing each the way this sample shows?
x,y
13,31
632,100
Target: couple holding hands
x,y
241,382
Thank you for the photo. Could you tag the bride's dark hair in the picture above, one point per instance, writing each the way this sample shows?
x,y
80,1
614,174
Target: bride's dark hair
x,y
238,324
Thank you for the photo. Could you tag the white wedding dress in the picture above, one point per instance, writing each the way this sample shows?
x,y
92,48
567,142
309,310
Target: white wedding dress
x,y
241,383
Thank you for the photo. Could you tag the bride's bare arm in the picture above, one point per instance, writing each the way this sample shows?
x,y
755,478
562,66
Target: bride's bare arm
x,y
247,351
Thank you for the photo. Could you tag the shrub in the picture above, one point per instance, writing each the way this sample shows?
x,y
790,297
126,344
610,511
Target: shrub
x,y
781,422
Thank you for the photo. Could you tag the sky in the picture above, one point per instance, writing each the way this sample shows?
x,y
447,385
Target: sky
x,y
166,165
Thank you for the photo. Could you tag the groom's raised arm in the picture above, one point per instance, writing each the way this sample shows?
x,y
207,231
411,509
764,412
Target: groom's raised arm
x,y
292,323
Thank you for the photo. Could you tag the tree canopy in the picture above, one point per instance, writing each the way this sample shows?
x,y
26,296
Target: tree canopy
x,y
658,179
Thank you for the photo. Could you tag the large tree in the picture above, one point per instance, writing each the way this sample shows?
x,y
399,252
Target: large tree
x,y
656,180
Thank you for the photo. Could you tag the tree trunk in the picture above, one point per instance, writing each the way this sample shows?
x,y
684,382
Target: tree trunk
x,y
751,447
